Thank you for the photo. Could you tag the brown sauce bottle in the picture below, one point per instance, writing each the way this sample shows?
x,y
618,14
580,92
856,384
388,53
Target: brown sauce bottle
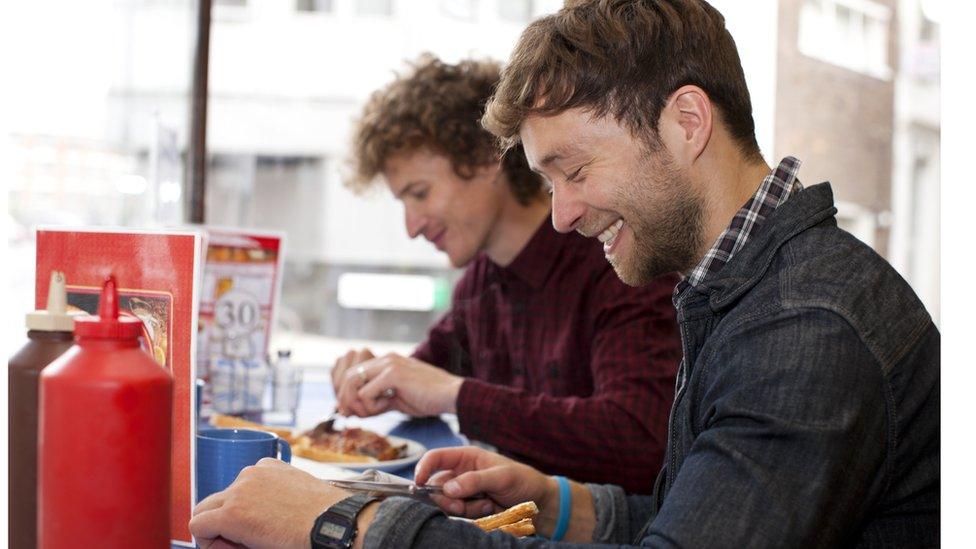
x,y
49,335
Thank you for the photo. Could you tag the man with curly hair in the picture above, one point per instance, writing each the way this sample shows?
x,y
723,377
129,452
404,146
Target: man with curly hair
x,y
544,353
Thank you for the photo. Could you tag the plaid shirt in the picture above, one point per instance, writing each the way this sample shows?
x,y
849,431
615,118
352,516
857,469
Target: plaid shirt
x,y
775,189
569,369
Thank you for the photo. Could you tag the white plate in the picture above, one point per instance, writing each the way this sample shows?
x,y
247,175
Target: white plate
x,y
327,470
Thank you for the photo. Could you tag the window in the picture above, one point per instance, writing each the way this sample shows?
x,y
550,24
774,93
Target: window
x,y
374,7
515,11
460,10
318,6
97,136
849,33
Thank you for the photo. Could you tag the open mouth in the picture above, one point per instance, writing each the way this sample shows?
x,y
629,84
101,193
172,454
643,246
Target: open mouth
x,y
609,236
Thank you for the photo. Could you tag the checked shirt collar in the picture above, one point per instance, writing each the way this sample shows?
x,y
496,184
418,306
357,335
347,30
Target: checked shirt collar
x,y
775,189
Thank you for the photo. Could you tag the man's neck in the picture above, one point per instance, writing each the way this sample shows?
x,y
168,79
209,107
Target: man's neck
x,y
515,227
732,184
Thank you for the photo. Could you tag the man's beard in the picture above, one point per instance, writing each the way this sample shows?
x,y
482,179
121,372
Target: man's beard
x,y
666,222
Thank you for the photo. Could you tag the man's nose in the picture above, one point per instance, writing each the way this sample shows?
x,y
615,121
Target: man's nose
x,y
567,209
415,222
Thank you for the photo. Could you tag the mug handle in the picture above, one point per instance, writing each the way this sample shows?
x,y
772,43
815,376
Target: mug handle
x,y
284,450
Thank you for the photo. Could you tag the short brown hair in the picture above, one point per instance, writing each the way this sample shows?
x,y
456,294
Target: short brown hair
x,y
625,58
438,106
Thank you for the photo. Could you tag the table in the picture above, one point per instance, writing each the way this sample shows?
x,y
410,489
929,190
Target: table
x,y
318,400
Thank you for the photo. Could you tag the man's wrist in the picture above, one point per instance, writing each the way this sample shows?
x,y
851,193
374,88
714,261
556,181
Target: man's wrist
x,y
582,519
453,390
363,521
342,523
545,521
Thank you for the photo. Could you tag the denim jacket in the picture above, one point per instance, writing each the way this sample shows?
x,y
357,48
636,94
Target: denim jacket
x,y
806,411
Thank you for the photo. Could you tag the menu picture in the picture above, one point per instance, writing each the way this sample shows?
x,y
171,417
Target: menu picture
x,y
157,273
154,309
241,287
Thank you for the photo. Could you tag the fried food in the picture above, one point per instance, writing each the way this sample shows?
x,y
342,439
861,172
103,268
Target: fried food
x,y
509,517
353,441
303,447
519,529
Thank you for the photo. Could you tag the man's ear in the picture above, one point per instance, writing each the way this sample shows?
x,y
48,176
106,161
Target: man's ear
x,y
686,123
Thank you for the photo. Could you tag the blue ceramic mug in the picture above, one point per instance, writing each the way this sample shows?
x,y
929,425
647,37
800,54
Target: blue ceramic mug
x,y
222,453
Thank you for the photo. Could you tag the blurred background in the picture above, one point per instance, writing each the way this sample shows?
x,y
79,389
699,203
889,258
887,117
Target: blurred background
x,y
98,118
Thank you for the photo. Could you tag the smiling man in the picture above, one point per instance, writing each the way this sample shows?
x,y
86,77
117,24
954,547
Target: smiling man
x,y
544,353
807,404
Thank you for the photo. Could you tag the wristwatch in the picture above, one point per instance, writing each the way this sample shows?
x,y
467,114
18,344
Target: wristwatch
x,y
336,527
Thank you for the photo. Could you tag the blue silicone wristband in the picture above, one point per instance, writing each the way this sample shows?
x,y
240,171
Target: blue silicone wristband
x,y
565,508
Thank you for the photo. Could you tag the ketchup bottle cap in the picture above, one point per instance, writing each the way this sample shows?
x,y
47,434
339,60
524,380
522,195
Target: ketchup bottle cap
x,y
108,324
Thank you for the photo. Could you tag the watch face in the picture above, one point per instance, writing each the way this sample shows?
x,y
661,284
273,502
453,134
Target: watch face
x,y
332,530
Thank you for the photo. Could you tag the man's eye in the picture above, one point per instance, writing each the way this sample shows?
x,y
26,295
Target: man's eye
x,y
420,195
575,175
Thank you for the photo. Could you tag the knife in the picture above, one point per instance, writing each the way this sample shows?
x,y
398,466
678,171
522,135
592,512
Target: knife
x,y
387,487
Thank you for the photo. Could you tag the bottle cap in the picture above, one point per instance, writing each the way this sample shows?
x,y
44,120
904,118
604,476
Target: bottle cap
x,y
55,318
108,324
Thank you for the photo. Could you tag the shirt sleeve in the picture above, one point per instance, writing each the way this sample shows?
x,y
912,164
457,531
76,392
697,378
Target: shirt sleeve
x,y
446,345
618,434
791,439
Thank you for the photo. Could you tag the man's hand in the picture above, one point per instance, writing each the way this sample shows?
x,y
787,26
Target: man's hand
x,y
344,363
271,504
417,388
478,482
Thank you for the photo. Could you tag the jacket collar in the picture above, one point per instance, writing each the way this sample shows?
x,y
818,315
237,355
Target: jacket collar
x,y
802,211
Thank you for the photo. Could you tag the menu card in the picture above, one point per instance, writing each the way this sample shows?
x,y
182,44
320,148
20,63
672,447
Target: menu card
x,y
158,275
238,301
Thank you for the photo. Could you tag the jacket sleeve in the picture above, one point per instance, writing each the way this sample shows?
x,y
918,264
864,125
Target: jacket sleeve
x,y
402,522
616,435
789,419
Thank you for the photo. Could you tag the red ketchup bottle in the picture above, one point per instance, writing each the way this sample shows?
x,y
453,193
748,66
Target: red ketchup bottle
x,y
104,438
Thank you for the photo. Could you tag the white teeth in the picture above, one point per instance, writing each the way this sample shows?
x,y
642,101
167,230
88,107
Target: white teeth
x,y
610,232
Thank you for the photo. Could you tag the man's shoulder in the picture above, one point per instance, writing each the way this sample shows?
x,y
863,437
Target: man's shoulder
x,y
827,268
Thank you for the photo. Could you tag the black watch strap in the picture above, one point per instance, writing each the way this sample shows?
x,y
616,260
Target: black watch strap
x,y
336,527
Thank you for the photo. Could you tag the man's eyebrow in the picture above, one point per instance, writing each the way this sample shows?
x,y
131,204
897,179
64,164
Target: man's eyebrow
x,y
558,153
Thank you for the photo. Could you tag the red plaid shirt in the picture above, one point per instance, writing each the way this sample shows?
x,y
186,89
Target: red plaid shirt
x,y
569,369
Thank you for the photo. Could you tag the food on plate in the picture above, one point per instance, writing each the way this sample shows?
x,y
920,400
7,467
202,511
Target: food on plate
x,y
325,443
516,520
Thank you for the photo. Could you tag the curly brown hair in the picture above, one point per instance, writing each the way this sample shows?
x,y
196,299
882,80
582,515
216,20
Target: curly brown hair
x,y
624,58
438,106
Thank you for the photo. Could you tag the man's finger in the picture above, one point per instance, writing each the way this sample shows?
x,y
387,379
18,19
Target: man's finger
x,y
208,525
221,543
491,481
458,459
272,462
341,365
371,394
477,508
363,355
347,398
211,502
